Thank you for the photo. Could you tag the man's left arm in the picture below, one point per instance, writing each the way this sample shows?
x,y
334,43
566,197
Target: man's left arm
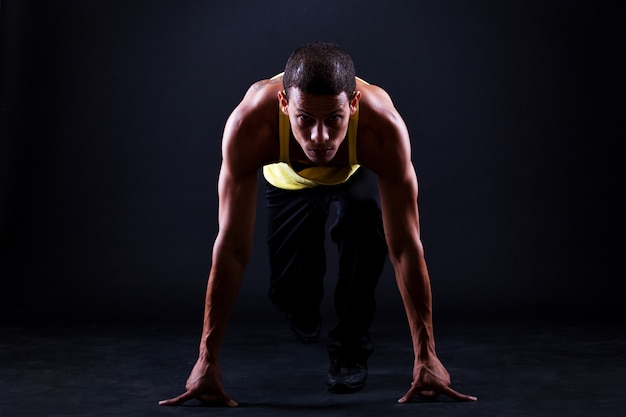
x,y
406,253
398,189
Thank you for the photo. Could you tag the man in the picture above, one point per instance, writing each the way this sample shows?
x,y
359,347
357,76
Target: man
x,y
302,128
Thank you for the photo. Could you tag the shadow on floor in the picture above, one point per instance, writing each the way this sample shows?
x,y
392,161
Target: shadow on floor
x,y
516,369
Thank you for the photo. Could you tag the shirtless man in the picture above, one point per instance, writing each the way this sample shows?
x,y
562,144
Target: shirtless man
x,y
301,129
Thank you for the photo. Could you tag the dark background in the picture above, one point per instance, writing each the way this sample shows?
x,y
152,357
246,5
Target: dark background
x,y
112,114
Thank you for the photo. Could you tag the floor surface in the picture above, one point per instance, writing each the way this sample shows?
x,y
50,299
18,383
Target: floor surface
x,y
515,369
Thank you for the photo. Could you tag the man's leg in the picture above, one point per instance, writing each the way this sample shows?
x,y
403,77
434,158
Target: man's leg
x,y
296,233
360,240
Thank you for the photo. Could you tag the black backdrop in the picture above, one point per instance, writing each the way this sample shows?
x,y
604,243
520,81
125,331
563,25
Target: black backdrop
x,y
112,113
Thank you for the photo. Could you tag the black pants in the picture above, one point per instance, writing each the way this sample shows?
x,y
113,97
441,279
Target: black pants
x,y
296,235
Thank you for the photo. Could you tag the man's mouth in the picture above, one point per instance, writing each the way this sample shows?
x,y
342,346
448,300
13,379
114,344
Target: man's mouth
x,y
320,151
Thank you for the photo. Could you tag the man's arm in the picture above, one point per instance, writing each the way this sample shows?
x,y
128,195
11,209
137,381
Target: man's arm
x,y
237,188
401,222
391,161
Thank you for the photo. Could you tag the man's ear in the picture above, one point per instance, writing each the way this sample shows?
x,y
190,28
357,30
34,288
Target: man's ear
x,y
283,102
354,102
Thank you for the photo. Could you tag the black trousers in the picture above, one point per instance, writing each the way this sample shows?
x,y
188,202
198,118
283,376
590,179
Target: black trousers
x,y
296,234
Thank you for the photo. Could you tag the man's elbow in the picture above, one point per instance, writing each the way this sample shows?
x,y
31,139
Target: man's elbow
x,y
237,252
400,249
242,254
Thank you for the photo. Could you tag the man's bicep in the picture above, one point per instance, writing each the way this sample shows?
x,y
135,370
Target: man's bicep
x,y
400,212
237,202
241,161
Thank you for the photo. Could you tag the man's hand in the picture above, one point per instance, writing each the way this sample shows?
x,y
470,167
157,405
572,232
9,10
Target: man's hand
x,y
430,382
204,384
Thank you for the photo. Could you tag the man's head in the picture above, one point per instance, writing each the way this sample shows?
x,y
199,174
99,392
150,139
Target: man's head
x,y
321,69
319,97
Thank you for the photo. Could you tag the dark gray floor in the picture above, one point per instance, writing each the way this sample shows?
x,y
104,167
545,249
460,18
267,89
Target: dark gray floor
x,y
540,369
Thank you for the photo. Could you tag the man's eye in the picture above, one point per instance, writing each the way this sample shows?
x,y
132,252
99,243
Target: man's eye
x,y
304,118
333,119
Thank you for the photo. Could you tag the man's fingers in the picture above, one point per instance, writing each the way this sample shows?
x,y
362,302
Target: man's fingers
x,y
182,398
228,401
417,390
220,403
457,395
430,394
409,395
223,399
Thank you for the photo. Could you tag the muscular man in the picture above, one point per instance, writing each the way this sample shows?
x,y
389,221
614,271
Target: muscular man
x,y
321,136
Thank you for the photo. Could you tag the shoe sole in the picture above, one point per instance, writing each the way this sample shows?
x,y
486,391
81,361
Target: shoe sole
x,y
305,338
339,388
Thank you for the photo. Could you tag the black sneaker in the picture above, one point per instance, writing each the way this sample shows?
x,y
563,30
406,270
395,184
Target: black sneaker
x,y
306,330
344,378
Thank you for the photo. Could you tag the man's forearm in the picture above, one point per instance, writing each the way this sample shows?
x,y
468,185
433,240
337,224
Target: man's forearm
x,y
414,285
222,288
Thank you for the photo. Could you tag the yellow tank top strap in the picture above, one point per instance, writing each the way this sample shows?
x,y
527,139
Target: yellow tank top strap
x,y
284,131
352,128
280,74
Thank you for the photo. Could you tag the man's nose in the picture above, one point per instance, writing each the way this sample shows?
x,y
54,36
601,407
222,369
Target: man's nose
x,y
319,133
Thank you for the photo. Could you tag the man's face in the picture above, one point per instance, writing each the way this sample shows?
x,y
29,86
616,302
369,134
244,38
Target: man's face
x,y
319,123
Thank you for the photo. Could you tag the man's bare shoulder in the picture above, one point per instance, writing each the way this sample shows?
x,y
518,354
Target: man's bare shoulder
x,y
252,127
258,108
262,94
375,100
378,117
271,84
382,134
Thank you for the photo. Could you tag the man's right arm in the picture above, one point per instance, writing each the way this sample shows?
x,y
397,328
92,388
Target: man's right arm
x,y
386,149
231,251
244,147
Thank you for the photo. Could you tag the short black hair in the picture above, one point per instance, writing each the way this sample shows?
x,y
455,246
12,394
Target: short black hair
x,y
320,68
